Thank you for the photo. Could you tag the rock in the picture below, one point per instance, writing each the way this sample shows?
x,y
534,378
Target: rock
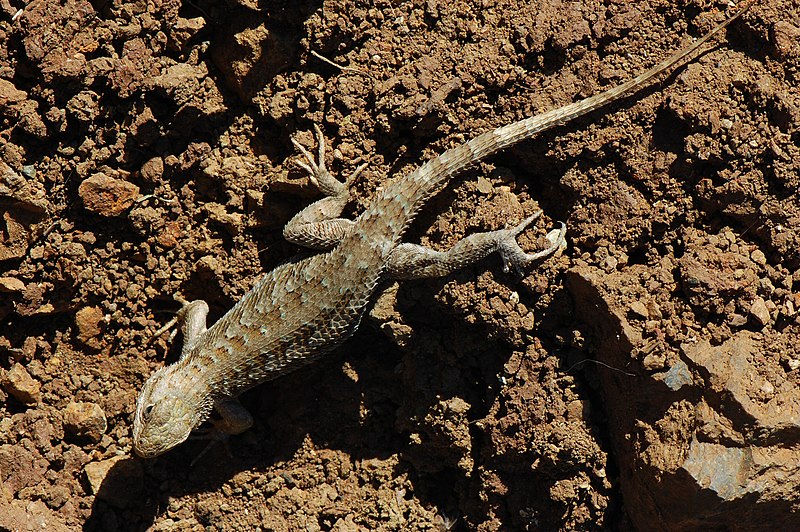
x,y
609,264
28,192
249,53
10,95
106,195
85,420
13,238
146,220
178,76
231,221
719,470
484,185
639,309
759,312
678,376
758,257
385,313
731,372
786,38
118,481
88,320
183,30
153,169
737,320
169,236
654,361
11,284
721,456
84,107
207,267
19,383
57,496
15,104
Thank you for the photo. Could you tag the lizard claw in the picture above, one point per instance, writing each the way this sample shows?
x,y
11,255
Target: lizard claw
x,y
214,436
311,167
172,322
514,257
352,177
318,173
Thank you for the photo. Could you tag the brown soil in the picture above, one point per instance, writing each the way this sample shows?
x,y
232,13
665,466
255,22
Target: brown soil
x,y
647,377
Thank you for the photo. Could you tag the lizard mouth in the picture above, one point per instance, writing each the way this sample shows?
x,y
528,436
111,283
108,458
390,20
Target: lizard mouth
x,y
145,449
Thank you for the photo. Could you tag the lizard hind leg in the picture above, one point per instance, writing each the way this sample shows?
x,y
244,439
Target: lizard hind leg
x,y
319,226
412,261
514,257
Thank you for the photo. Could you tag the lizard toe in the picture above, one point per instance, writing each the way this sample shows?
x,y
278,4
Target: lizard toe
x,y
513,255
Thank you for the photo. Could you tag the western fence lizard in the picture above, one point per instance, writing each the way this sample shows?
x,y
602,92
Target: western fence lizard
x,y
307,307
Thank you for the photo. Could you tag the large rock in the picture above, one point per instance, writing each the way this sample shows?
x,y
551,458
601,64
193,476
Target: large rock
x,y
711,439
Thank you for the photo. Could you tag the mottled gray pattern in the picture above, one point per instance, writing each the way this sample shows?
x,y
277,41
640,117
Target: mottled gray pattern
x,y
305,308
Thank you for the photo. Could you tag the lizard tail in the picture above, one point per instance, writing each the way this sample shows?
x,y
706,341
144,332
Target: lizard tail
x,y
399,201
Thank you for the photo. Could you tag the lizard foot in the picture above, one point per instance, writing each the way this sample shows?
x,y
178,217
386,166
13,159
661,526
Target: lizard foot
x,y
192,320
171,323
514,257
320,225
317,171
214,437
234,419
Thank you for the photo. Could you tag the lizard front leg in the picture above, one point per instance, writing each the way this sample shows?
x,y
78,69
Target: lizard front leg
x,y
234,419
191,319
412,261
319,225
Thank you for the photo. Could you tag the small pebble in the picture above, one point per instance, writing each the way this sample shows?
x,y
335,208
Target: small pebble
x,y
759,311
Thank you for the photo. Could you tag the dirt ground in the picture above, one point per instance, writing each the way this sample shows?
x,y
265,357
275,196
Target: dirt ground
x,y
646,378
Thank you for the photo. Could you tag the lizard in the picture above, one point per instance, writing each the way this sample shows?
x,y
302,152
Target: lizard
x,y
306,307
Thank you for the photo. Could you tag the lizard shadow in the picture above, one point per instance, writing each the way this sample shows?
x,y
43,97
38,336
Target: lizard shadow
x,y
317,407
364,401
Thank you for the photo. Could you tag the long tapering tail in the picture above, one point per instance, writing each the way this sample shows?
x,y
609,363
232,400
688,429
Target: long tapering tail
x,y
399,201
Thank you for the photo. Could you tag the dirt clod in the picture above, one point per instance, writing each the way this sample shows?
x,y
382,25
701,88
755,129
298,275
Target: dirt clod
x,y
89,320
106,195
19,383
117,480
11,284
760,312
85,420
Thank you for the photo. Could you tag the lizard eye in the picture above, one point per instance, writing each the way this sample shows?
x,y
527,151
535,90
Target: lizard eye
x,y
147,411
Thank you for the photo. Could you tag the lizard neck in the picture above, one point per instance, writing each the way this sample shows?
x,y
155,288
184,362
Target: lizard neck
x,y
189,379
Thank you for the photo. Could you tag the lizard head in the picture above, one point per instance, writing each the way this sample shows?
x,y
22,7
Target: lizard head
x,y
165,413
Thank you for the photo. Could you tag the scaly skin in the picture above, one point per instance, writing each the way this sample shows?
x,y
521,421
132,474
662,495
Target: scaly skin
x,y
306,308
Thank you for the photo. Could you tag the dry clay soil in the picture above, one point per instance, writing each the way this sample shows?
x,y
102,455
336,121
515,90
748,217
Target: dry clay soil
x,y
645,377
